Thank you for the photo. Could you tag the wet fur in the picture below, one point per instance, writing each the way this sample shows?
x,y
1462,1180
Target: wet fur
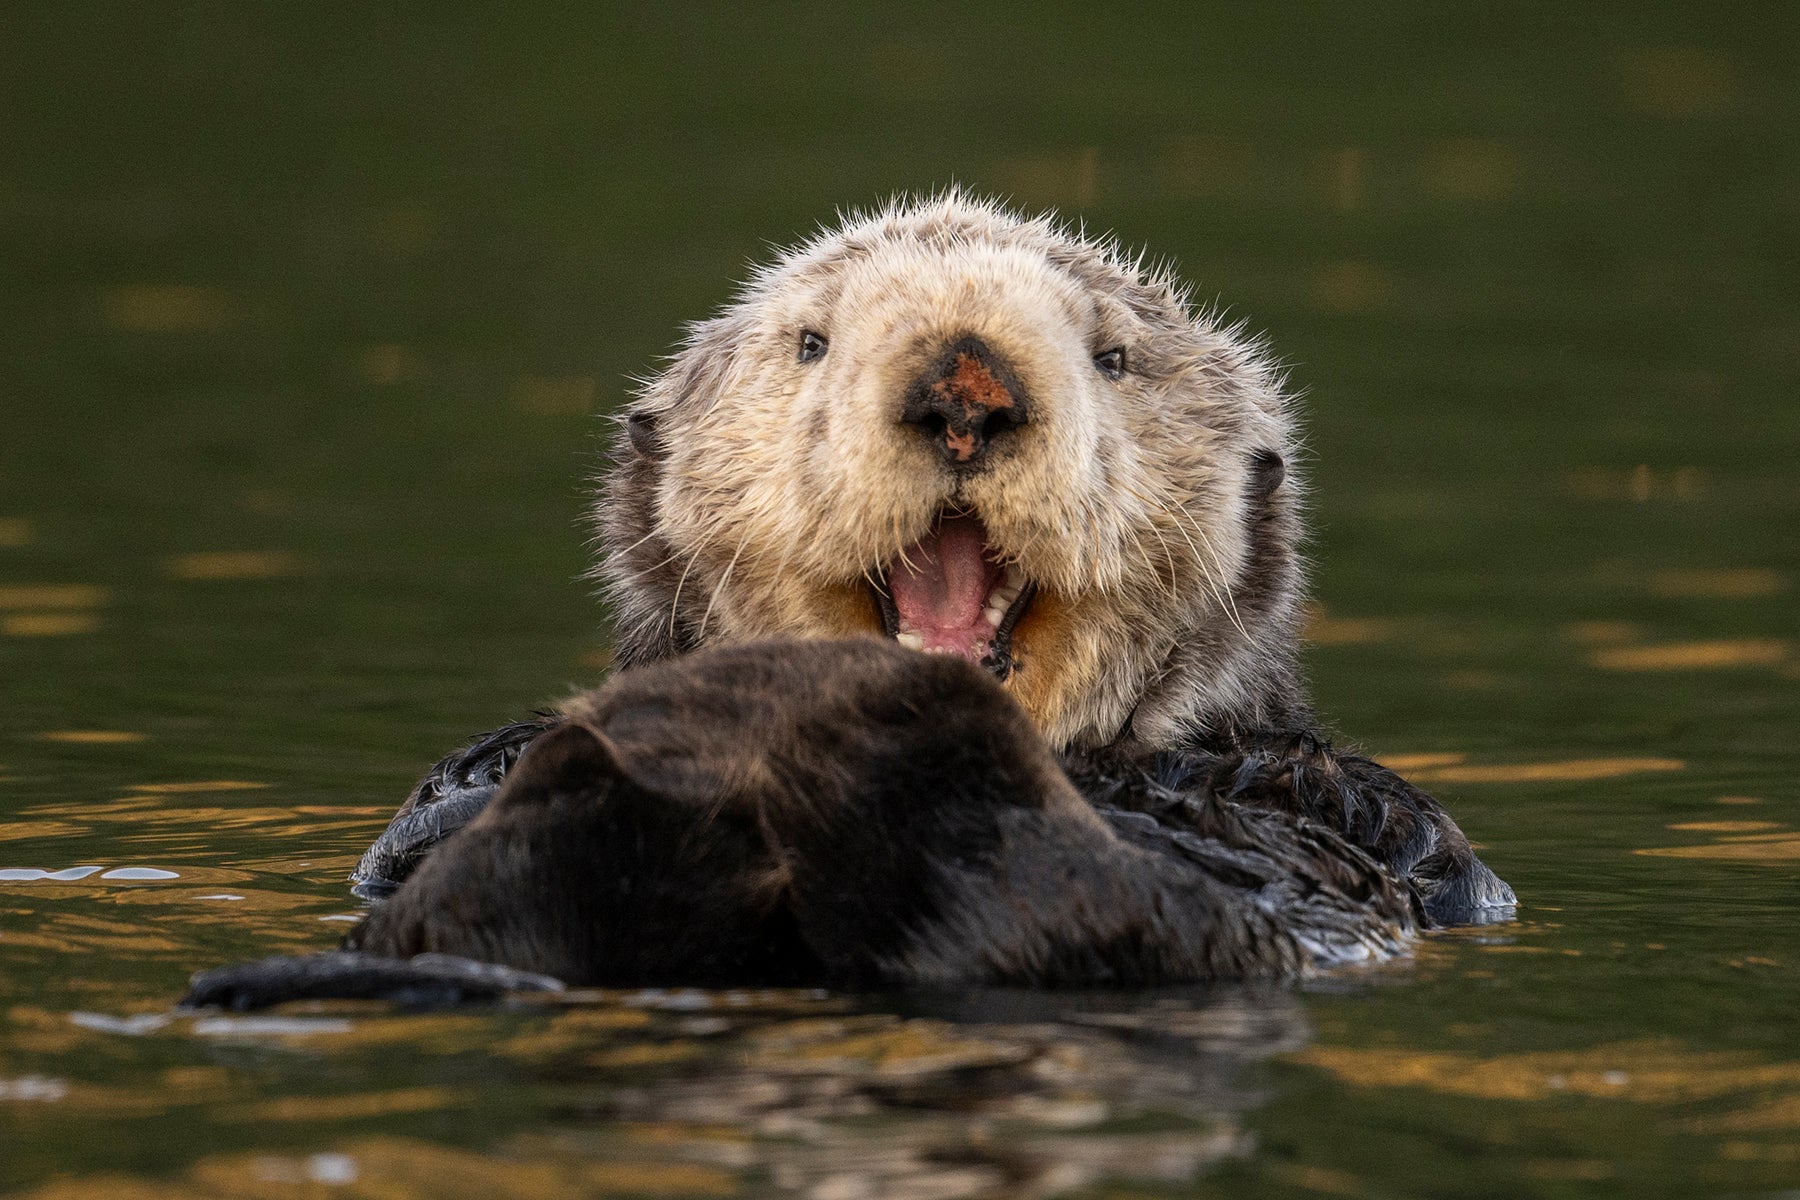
x,y
1148,798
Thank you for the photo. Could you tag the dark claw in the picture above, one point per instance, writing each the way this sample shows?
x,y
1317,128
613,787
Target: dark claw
x,y
412,835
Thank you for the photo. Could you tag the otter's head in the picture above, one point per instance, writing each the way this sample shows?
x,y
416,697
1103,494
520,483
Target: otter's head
x,y
981,435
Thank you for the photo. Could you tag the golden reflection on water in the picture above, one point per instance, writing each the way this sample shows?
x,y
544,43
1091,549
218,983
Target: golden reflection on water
x,y
413,1034
111,915
1324,628
878,1047
1310,1177
796,1092
20,830
1737,841
1779,1115
52,595
47,624
355,1106
144,815
1651,1070
1578,770
1725,826
1781,849
93,737
1708,655
1411,763
801,1100
15,532
32,1029
44,609
233,565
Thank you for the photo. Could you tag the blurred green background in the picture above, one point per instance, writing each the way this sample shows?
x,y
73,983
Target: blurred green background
x,y
306,313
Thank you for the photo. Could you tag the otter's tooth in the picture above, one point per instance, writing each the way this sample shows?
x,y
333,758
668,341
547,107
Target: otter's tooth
x,y
995,613
911,641
1015,579
1004,597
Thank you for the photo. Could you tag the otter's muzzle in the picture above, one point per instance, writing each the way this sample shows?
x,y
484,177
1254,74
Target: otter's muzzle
x,y
965,402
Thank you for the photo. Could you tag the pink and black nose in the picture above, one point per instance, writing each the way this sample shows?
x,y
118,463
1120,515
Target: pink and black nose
x,y
965,402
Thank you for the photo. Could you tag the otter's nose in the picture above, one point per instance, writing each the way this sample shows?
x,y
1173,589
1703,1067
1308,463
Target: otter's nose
x,y
965,401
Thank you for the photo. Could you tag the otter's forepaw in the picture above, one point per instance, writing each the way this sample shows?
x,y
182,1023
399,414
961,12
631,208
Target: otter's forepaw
x,y
452,794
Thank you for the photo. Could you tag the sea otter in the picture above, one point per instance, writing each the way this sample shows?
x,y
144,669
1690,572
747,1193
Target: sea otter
x,y
986,437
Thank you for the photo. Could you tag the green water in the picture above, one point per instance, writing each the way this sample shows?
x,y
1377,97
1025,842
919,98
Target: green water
x,y
304,320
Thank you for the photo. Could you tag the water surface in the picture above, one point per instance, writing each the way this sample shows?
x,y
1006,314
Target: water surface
x,y
305,322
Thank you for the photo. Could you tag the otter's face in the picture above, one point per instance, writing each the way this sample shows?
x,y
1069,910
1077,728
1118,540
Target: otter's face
x,y
978,436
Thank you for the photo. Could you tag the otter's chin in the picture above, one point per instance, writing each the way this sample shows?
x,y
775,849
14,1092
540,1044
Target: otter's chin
x,y
951,592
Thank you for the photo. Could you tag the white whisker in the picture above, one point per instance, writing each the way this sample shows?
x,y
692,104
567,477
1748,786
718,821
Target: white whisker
x,y
725,578
1227,601
675,603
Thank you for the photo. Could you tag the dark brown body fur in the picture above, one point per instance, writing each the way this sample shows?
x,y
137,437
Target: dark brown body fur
x,y
853,813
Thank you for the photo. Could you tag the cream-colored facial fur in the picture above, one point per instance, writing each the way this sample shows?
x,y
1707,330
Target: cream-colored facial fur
x,y
760,495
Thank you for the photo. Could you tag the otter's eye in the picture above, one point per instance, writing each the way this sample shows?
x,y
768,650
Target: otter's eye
x,y
1111,363
812,346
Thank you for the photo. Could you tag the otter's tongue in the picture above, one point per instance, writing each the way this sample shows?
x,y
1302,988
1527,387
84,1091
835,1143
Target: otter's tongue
x,y
941,585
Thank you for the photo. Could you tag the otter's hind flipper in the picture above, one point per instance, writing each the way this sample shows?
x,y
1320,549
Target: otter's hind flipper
x,y
427,981
451,795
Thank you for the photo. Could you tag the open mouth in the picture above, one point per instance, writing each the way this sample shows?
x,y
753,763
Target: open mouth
x,y
949,593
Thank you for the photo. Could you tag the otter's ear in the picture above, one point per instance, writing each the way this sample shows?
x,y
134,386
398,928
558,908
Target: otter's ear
x,y
697,376
640,430
1267,470
570,758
